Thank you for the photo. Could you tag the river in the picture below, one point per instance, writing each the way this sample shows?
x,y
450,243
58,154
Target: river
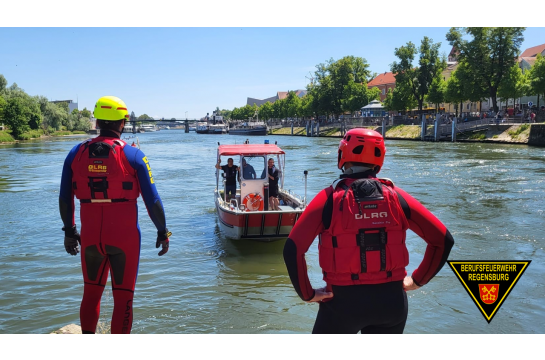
x,y
490,196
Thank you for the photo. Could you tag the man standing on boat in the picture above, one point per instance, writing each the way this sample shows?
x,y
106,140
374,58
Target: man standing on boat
x,y
107,176
248,171
231,174
273,176
361,222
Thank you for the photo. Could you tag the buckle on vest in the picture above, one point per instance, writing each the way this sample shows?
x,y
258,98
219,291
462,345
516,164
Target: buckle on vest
x,y
354,276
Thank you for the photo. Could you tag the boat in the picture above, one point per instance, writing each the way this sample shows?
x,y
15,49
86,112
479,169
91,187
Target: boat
x,y
247,215
249,128
202,127
216,125
192,128
217,128
148,128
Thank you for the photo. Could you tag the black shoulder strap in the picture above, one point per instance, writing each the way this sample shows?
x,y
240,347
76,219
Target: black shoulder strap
x,y
404,206
327,213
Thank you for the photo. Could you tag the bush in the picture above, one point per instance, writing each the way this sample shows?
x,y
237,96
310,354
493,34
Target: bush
x,y
32,134
5,136
517,131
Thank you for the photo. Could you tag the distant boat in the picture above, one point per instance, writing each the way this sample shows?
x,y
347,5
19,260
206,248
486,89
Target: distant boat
x,y
249,128
148,128
202,127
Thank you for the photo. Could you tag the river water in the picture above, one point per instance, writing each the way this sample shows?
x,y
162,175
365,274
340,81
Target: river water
x,y
491,197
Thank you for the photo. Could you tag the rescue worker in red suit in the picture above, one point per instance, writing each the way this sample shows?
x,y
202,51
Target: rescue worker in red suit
x,y
361,222
107,176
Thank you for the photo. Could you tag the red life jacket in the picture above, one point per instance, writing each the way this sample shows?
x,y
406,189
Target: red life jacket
x,y
365,241
101,172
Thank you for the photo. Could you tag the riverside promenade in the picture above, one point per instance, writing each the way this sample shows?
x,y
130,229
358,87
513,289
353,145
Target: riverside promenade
x,y
512,130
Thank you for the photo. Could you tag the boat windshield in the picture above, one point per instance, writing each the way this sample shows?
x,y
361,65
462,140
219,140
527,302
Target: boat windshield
x,y
252,167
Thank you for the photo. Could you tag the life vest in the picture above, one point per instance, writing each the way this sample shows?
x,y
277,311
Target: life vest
x,y
101,173
365,240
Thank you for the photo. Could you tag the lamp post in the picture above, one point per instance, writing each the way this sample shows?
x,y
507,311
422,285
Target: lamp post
x,y
186,115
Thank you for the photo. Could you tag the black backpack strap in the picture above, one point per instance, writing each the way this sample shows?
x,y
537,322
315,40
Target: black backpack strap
x,y
404,205
327,212
345,188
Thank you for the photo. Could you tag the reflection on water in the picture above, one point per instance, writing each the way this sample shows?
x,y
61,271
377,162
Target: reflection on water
x,y
491,197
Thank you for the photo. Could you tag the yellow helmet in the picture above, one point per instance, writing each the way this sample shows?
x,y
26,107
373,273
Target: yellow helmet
x,y
111,108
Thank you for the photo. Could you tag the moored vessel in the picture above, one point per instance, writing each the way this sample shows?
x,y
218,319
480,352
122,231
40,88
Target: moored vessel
x,y
247,215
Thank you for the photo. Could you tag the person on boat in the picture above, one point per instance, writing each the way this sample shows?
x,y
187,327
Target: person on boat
x,y
248,171
133,144
231,173
361,222
107,177
272,173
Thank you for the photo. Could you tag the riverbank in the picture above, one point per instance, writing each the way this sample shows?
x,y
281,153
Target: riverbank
x,y
511,134
6,138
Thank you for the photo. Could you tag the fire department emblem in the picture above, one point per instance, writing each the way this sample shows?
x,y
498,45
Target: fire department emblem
x,y
489,293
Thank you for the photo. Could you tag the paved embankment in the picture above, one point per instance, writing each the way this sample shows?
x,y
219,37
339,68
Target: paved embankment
x,y
532,134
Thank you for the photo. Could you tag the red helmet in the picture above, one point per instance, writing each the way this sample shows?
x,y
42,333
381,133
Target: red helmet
x,y
363,146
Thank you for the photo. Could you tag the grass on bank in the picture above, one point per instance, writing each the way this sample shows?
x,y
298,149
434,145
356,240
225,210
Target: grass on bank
x,y
5,135
519,131
404,131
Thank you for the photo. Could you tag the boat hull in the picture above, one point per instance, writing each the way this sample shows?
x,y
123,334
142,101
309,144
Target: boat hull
x,y
258,225
245,132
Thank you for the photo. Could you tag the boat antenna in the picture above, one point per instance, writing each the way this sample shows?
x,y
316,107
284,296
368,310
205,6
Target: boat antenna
x,y
305,198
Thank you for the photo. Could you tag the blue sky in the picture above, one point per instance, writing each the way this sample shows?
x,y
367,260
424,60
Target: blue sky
x,y
165,72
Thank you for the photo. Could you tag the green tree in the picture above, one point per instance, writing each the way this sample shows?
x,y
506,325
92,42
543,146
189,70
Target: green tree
x,y
514,85
144,117
63,105
418,80
85,113
54,117
266,111
14,117
489,53
454,92
3,83
293,105
436,94
306,105
3,104
82,124
537,78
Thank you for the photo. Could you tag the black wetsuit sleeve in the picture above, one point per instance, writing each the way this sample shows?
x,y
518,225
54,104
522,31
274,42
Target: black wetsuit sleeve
x,y
301,237
435,234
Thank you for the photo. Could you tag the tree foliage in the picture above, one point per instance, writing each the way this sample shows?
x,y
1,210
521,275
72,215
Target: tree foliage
x,y
537,76
14,117
514,85
418,80
144,117
489,53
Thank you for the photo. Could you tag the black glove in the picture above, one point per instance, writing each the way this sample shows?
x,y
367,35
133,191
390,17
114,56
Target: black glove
x,y
71,240
162,240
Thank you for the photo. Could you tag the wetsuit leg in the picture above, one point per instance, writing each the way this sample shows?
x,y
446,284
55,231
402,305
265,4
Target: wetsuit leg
x,y
122,244
331,319
380,308
95,267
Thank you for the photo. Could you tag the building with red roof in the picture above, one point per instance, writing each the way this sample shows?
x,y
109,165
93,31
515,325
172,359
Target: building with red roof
x,y
383,82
